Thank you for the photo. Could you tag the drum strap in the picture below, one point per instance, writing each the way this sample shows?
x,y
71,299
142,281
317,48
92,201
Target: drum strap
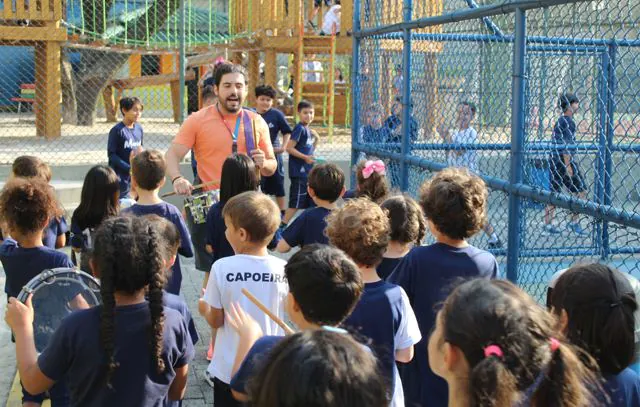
x,y
248,133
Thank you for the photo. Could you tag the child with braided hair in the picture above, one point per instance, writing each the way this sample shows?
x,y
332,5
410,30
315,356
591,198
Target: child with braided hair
x,y
127,351
496,347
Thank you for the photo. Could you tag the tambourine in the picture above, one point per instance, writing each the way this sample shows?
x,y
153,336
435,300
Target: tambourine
x,y
57,293
197,206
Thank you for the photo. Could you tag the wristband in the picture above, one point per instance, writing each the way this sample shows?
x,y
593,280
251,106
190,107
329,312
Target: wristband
x,y
173,180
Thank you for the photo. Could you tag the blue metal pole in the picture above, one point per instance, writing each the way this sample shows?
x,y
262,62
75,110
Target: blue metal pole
x,y
608,162
355,74
182,59
406,98
517,141
602,145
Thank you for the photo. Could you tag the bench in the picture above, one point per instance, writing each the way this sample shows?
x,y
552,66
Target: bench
x,y
27,95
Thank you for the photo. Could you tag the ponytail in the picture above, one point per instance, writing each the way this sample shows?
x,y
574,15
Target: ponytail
x,y
491,384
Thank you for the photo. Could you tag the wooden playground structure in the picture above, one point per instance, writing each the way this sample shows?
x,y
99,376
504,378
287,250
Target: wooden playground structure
x,y
258,29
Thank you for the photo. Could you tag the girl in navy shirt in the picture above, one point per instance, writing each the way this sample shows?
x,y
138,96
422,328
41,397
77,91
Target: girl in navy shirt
x,y
125,140
127,351
408,228
26,206
371,181
495,346
98,201
595,306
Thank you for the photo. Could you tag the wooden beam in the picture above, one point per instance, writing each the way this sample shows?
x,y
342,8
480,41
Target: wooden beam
x,y
109,104
48,89
254,75
175,100
270,67
150,80
285,45
135,66
48,33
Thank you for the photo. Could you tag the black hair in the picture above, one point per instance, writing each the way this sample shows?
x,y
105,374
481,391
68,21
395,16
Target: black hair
x,y
318,368
566,100
208,93
318,272
265,90
304,104
128,257
599,302
480,313
238,175
227,68
472,106
99,197
327,181
406,219
128,103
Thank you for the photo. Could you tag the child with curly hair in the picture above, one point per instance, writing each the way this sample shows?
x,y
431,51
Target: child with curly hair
x,y
383,315
455,205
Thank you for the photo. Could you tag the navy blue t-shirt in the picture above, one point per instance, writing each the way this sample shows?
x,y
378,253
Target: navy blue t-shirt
x,y
76,354
377,317
57,227
426,273
175,302
623,389
387,266
172,214
123,140
215,233
277,124
564,133
304,143
308,228
21,265
258,352
350,194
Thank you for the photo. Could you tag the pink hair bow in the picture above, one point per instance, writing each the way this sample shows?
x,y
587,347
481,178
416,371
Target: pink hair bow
x,y
373,166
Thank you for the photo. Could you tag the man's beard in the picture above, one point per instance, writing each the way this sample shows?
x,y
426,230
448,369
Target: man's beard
x,y
233,109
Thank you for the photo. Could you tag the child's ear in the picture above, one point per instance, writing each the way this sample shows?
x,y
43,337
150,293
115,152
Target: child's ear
x,y
244,235
162,183
311,192
344,190
453,357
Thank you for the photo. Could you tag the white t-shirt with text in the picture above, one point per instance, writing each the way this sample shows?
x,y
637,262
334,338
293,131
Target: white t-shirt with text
x,y
261,276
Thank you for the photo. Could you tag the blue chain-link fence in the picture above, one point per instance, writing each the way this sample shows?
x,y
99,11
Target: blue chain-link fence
x,y
537,97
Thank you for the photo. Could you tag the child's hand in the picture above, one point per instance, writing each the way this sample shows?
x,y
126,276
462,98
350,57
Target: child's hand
x,y
309,159
19,315
242,323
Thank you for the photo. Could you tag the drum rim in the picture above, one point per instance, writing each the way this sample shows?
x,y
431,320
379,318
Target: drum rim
x,y
33,284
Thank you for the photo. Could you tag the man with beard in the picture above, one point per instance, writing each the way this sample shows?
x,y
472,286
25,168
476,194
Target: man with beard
x,y
219,130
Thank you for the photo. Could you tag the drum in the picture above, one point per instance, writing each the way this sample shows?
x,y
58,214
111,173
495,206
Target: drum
x,y
57,293
197,206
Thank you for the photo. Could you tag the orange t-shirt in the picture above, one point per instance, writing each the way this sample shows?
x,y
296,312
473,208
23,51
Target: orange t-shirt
x,y
205,133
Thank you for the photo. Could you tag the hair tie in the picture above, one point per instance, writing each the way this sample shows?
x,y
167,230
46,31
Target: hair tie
x,y
493,350
373,166
615,304
554,344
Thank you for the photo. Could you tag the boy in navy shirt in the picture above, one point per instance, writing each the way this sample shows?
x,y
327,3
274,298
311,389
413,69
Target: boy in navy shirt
x,y
26,205
125,140
148,172
326,186
315,273
383,314
454,203
274,185
300,147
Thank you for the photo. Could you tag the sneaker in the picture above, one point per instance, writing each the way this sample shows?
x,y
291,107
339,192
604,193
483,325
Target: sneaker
x,y
551,230
208,379
576,228
495,244
210,352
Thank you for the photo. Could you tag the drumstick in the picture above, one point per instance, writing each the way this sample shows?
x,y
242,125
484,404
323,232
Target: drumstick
x,y
274,318
204,184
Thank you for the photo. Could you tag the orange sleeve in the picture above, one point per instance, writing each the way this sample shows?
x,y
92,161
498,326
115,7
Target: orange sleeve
x,y
187,134
264,139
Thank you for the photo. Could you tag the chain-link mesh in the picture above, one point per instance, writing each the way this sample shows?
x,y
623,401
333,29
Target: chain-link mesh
x,y
582,157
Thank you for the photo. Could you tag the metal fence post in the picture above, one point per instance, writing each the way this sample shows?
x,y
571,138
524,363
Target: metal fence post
x,y
610,84
517,141
355,75
182,60
406,97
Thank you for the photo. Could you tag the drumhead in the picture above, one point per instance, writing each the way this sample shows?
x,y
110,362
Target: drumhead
x,y
57,293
